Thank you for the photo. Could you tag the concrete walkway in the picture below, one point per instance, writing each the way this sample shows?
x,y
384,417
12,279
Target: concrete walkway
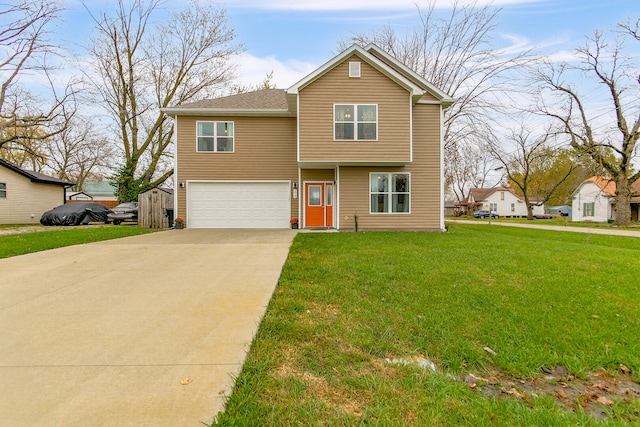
x,y
142,331
540,225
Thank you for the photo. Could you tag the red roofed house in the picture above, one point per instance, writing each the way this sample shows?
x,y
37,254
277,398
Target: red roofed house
x,y
594,200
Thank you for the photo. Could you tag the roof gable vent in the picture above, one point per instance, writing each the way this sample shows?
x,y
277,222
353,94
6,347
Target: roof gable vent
x,y
354,69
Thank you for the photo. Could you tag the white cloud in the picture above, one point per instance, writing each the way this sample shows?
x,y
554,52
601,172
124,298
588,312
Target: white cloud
x,y
252,70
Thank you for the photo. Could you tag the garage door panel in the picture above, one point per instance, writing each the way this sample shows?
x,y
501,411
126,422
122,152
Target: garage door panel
x,y
238,205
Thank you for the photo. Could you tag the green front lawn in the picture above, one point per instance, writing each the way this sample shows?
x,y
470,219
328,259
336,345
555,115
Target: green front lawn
x,y
19,244
525,327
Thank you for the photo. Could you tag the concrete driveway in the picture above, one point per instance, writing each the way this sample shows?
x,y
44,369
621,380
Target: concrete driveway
x,y
142,331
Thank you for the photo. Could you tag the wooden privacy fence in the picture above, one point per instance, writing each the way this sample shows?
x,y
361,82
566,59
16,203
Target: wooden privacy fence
x,y
152,208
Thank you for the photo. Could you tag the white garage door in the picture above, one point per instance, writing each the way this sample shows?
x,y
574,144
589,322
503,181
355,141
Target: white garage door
x,y
238,205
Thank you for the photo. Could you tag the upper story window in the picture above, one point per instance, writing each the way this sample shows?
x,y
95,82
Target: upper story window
x,y
354,69
216,137
3,190
355,122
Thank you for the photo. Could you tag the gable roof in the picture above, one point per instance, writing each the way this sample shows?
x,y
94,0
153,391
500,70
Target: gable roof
x,y
479,194
384,63
608,186
36,176
283,103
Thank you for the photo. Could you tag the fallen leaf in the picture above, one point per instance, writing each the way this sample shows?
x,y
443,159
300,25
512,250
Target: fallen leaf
x,y
472,385
488,350
221,392
595,316
624,369
186,381
604,401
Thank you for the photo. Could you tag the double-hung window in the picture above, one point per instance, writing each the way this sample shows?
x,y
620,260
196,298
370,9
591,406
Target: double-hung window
x,y
390,193
588,209
355,122
216,137
3,190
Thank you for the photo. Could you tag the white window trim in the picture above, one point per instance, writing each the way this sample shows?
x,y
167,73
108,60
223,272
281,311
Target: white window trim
x,y
355,69
390,193
215,136
355,123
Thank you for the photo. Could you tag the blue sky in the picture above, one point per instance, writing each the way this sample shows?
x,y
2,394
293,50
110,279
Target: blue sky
x,y
293,37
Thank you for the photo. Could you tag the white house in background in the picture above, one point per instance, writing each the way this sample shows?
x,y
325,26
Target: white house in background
x,y
594,200
502,200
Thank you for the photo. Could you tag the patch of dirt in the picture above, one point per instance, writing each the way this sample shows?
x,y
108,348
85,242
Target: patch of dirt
x,y
594,394
321,389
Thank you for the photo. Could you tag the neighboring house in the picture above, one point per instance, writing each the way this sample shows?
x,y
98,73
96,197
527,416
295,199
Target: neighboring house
x,y
26,195
502,200
359,140
594,200
95,191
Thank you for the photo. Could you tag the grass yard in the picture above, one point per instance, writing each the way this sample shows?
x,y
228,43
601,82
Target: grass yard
x,y
19,244
525,328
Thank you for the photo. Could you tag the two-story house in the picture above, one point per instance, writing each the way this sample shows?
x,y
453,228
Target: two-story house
x,y
358,140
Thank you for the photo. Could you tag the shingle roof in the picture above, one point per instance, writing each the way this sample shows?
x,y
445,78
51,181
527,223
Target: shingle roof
x,y
480,194
608,187
36,176
264,99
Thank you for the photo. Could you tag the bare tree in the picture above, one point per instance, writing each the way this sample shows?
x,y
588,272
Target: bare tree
x,y
465,168
80,153
456,54
618,73
24,31
535,168
142,69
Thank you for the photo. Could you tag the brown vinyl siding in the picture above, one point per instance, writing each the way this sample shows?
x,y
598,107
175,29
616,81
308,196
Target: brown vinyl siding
x,y
336,87
324,175
426,209
264,149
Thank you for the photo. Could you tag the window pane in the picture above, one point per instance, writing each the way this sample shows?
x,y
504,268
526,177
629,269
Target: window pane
x,y
344,113
225,129
205,144
400,183
328,190
344,130
225,144
3,190
205,128
367,113
379,203
400,203
315,195
367,131
379,183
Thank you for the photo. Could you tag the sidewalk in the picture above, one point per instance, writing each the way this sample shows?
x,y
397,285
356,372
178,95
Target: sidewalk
x,y
538,225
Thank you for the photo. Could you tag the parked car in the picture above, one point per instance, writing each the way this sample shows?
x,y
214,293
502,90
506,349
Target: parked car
x,y
124,212
484,214
76,213
543,216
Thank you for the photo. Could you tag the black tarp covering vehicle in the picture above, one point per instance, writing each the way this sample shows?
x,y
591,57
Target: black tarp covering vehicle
x,y
76,214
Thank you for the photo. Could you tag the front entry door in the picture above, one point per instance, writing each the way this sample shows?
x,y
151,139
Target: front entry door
x,y
319,204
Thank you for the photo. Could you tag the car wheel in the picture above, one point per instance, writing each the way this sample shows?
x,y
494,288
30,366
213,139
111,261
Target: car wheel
x,y
116,222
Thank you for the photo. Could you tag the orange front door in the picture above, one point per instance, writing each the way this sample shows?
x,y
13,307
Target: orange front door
x,y
319,204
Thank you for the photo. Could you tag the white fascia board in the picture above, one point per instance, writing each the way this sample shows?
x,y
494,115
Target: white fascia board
x,y
175,111
442,96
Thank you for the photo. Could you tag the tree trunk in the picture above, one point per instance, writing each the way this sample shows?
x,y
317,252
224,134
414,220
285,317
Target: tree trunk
x,y
623,201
